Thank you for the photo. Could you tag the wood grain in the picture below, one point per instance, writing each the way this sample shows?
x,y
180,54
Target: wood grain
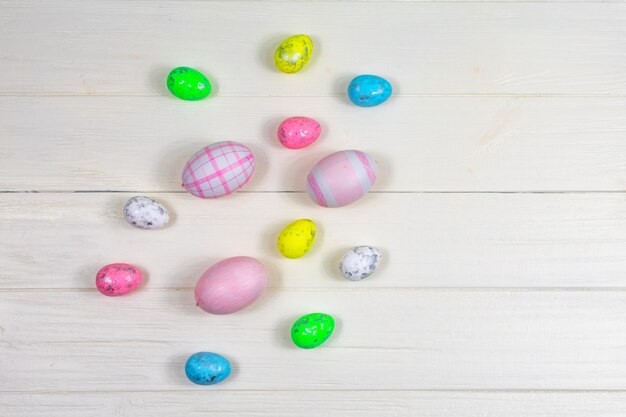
x,y
386,339
500,208
199,403
431,240
85,47
421,144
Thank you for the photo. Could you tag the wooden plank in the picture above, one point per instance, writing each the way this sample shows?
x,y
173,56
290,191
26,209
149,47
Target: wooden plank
x,y
385,340
421,144
429,240
101,47
199,403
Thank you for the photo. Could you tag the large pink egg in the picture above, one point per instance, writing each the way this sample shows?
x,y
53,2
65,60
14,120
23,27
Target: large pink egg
x,y
298,132
230,285
218,170
341,178
118,279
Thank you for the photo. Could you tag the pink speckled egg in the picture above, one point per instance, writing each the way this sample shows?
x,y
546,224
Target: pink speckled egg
x,y
298,132
230,285
118,279
341,178
218,169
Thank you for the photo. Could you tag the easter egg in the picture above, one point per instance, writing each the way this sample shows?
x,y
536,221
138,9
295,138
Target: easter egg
x,y
360,262
312,330
369,90
188,84
230,285
207,368
341,178
298,132
296,239
145,213
293,54
218,169
118,279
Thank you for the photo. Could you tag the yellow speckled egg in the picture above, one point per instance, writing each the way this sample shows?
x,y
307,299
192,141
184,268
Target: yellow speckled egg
x,y
296,239
293,54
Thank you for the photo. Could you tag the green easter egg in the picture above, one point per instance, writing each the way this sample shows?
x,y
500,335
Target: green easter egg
x,y
188,84
312,330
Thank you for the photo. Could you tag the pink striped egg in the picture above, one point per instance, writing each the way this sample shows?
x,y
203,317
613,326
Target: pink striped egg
x,y
218,169
230,285
341,178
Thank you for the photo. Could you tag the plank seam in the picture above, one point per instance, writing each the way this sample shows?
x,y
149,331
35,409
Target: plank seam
x,y
352,290
304,192
418,95
417,390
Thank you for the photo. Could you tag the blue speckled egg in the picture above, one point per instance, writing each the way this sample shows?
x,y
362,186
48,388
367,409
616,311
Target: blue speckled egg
x,y
369,90
207,368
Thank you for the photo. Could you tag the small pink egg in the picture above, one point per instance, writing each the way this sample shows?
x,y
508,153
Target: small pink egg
x,y
230,285
118,279
298,132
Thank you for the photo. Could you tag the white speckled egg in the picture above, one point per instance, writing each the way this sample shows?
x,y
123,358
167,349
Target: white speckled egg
x,y
360,262
145,213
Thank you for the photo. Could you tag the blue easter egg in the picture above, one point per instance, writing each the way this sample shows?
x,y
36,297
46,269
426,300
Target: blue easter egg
x,y
369,90
207,368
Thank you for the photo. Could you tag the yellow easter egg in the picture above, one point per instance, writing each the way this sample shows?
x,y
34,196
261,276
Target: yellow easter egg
x,y
293,54
296,239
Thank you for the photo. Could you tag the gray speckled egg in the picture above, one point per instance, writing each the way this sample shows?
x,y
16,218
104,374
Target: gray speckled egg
x,y
145,213
360,262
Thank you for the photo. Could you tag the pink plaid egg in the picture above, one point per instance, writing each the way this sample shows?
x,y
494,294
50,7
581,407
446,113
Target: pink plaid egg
x,y
218,169
341,178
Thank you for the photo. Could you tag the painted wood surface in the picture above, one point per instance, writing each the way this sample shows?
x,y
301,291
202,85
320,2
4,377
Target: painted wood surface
x,y
500,208
385,339
368,403
420,143
123,48
565,240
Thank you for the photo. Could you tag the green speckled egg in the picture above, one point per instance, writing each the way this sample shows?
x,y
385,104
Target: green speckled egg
x,y
312,330
188,84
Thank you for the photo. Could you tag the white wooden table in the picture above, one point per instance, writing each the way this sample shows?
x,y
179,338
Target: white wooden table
x,y
500,207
